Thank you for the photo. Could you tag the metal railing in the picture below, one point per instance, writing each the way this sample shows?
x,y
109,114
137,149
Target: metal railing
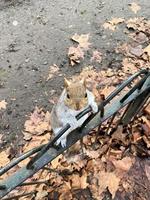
x,y
134,100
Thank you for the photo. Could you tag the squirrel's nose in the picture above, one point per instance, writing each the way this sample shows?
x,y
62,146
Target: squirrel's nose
x,y
77,106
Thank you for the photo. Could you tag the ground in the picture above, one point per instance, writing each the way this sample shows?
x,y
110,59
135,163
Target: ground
x,y
36,34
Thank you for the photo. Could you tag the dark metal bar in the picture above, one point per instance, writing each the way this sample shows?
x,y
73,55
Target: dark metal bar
x,y
110,123
137,86
20,158
32,183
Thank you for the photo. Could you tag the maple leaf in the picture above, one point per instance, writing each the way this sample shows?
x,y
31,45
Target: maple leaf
x,y
82,40
3,104
134,7
112,23
38,123
75,54
53,69
125,164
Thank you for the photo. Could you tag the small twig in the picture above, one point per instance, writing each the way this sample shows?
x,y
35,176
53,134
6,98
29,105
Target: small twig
x,y
20,195
32,183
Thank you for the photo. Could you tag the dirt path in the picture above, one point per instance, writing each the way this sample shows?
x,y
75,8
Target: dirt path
x,y
35,35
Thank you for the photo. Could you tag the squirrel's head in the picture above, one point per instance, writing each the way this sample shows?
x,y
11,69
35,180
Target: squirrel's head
x,y
76,95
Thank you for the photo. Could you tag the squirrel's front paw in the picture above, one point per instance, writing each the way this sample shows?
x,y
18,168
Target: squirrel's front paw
x,y
94,107
63,142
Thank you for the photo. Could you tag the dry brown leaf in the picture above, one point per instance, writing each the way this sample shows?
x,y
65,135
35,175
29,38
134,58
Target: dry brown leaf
x,y
137,51
147,50
107,90
75,54
147,141
27,136
82,40
91,154
52,71
56,162
41,195
4,159
38,123
147,109
124,164
118,135
36,140
146,121
78,182
103,180
3,104
128,67
134,7
116,21
112,24
97,56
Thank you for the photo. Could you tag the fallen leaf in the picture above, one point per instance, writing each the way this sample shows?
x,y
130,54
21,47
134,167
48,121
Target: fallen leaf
x,y
134,7
137,51
41,194
27,136
4,159
52,71
56,162
125,164
147,50
147,141
116,21
3,104
97,56
107,90
38,123
128,67
139,37
103,180
147,109
75,54
112,24
91,154
79,182
82,40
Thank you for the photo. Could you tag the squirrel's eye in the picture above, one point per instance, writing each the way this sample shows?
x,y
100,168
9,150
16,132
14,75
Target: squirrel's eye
x,y
85,95
68,96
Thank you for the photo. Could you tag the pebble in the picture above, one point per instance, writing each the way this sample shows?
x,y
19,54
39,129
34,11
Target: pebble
x,y
15,23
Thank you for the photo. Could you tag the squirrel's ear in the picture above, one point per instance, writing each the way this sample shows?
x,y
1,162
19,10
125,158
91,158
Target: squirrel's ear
x,y
66,82
83,81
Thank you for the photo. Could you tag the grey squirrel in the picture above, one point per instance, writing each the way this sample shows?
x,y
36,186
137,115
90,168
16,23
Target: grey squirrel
x,y
74,99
